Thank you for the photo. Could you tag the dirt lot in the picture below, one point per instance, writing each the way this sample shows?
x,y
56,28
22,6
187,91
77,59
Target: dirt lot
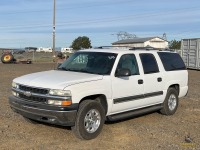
x,y
152,131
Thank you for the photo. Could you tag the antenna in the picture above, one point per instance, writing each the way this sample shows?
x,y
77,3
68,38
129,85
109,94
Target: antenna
x,y
164,36
122,35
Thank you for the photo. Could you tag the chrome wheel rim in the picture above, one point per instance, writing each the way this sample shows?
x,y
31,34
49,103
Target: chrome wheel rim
x,y
92,120
172,102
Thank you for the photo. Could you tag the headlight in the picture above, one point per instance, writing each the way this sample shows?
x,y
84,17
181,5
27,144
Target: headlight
x,y
15,93
59,93
15,85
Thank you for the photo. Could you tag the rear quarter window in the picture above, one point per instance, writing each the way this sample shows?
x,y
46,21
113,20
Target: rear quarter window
x,y
171,61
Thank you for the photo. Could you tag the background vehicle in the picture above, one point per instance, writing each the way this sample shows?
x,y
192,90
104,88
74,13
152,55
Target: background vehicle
x,y
30,49
44,49
8,57
18,51
67,50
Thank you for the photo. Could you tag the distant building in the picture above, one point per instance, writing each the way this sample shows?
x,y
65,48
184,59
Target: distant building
x,y
155,42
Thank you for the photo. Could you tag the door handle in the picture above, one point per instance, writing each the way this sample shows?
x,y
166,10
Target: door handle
x,y
140,81
159,79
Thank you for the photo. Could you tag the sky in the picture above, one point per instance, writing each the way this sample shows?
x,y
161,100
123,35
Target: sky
x,y
25,23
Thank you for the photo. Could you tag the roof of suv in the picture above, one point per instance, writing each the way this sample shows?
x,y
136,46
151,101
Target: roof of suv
x,y
122,50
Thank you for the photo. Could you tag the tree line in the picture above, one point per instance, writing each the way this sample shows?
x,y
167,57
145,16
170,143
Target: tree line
x,y
83,42
174,44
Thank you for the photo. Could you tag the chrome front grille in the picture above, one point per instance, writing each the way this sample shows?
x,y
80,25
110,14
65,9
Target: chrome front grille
x,y
33,98
33,89
33,94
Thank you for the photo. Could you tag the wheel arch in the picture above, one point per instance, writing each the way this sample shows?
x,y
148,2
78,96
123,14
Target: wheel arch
x,y
98,97
175,86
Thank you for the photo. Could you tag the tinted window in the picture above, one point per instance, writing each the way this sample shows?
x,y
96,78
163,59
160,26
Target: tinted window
x,y
128,61
171,61
149,63
90,62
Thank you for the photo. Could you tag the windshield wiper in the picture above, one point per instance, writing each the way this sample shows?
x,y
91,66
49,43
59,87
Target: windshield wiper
x,y
62,68
82,70
86,71
68,69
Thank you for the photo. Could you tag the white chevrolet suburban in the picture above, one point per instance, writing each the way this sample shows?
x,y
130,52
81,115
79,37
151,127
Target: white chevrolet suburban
x,y
102,84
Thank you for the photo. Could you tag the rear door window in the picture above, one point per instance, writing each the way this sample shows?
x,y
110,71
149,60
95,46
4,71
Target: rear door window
x,y
149,63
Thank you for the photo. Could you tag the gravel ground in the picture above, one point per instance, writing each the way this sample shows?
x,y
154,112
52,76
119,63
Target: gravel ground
x,y
152,131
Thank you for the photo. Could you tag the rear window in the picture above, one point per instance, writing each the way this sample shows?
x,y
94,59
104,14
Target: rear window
x,y
171,61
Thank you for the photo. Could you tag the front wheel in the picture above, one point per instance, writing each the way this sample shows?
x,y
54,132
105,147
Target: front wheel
x,y
171,102
90,120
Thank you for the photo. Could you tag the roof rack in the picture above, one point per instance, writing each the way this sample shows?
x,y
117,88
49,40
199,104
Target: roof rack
x,y
102,47
134,48
151,48
143,48
128,47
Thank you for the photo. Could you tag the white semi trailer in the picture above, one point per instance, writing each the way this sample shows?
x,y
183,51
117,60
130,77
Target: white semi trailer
x,y
44,49
67,50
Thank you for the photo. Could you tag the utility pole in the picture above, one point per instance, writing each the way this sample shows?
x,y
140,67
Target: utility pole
x,y
54,27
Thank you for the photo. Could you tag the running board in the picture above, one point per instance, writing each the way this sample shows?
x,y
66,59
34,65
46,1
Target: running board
x,y
134,113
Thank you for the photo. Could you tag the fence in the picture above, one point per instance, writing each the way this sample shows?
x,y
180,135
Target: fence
x,y
34,56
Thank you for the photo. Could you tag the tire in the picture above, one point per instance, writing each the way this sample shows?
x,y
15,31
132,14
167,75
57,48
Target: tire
x,y
170,104
29,61
90,112
7,58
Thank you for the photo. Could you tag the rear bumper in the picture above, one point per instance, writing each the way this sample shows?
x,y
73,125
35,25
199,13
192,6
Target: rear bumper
x,y
64,116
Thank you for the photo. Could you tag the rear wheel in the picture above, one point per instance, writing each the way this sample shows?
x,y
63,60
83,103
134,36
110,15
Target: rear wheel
x,y
7,58
171,102
90,120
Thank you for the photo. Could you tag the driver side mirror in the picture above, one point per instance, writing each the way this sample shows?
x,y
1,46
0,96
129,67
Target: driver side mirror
x,y
123,72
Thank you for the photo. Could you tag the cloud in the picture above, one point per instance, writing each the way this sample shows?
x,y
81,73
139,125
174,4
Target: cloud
x,y
30,21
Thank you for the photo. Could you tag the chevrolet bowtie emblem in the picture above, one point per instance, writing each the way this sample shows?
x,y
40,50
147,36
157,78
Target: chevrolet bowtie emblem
x,y
27,93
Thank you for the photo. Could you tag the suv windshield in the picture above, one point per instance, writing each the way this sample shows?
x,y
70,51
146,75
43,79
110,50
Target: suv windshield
x,y
90,62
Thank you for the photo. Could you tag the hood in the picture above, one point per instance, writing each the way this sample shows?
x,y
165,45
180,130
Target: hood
x,y
55,79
